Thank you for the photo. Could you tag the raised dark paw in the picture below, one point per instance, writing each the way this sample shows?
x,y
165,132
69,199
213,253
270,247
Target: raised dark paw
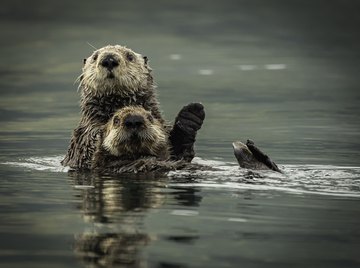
x,y
182,137
190,118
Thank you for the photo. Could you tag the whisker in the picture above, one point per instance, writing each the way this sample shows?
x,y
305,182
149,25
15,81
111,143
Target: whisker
x,y
91,45
78,78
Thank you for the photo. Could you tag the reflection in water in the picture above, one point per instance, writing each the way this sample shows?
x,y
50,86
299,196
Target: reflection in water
x,y
285,73
115,208
113,195
188,197
111,249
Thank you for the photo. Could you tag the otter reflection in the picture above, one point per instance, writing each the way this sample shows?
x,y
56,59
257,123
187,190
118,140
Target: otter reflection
x,y
114,211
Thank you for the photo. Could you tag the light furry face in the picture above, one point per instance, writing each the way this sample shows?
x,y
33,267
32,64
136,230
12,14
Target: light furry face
x,y
115,69
133,131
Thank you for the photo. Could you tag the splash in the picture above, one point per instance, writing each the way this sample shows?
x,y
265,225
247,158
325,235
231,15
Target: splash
x,y
296,179
50,163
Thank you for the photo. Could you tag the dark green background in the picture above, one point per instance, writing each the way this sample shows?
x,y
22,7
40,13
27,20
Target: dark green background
x,y
306,114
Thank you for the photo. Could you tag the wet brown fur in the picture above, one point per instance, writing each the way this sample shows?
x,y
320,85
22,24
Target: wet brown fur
x,y
124,150
103,92
122,143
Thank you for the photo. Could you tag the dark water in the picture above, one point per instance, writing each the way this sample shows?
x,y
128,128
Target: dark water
x,y
284,73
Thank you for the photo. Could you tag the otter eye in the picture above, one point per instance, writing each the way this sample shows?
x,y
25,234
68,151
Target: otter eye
x,y
150,118
145,59
116,121
95,56
130,57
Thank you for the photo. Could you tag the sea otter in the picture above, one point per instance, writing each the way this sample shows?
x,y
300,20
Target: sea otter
x,y
114,77
134,141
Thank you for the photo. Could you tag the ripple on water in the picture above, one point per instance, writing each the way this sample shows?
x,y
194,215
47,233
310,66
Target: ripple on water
x,y
50,163
296,179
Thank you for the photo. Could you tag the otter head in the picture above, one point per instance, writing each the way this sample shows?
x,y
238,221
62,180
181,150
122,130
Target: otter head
x,y
133,132
115,69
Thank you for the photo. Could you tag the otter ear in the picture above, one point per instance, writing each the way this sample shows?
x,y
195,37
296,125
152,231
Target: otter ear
x,y
84,61
145,59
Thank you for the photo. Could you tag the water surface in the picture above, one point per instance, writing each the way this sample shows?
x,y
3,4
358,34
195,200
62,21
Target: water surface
x,y
283,73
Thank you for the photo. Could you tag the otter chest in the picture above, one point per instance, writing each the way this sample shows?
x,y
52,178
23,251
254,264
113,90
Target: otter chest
x,y
101,109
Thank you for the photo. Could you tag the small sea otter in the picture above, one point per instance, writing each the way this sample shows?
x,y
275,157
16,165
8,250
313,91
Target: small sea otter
x,y
134,141
114,77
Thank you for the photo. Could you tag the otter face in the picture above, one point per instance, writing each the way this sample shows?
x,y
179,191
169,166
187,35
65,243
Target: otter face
x,y
115,69
132,132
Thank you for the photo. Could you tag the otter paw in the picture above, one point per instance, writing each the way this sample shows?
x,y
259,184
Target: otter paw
x,y
190,118
182,137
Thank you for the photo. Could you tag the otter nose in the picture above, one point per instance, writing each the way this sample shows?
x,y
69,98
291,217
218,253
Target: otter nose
x,y
109,62
134,121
